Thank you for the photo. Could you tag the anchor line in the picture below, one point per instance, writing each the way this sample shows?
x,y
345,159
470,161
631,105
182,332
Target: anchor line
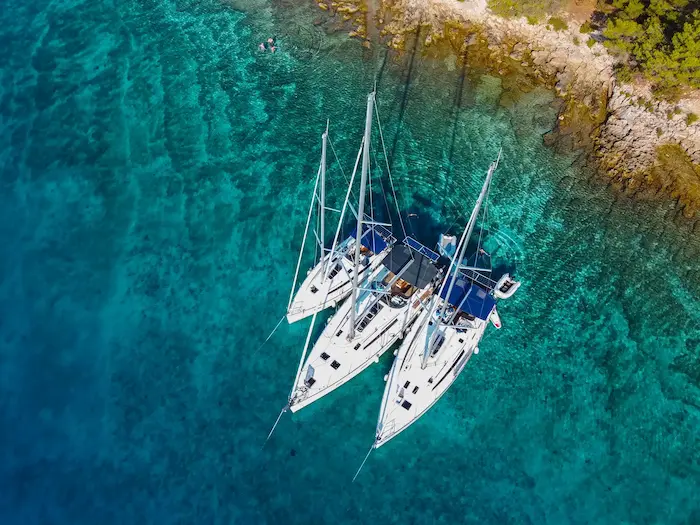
x,y
271,334
363,463
284,409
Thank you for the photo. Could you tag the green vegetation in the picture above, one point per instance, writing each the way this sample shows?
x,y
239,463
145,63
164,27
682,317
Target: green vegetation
x,y
659,39
532,9
557,23
661,36
590,42
623,73
692,117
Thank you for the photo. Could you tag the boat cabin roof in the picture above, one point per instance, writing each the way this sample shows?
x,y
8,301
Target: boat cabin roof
x,y
469,297
420,271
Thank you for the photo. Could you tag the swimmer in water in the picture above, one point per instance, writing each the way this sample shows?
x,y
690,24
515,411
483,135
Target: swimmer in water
x,y
262,46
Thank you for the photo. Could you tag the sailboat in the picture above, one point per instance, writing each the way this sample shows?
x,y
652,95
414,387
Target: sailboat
x,y
368,325
445,337
377,314
330,280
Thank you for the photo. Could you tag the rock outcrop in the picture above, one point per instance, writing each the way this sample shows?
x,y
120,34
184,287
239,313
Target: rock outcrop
x,y
636,126
621,126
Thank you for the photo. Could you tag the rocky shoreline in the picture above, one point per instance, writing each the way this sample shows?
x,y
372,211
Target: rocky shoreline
x,y
644,145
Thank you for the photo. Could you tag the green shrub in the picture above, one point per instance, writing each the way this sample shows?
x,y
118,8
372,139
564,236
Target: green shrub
x,y
557,23
663,38
586,27
590,42
692,117
532,20
623,73
576,40
532,9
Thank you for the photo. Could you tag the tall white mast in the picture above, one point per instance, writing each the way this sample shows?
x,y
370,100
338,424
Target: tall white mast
x,y
456,262
345,207
361,210
322,203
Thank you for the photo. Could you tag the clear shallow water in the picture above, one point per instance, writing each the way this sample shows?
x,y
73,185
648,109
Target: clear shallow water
x,y
155,176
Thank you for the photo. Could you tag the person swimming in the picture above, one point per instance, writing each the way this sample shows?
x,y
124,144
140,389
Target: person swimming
x,y
270,44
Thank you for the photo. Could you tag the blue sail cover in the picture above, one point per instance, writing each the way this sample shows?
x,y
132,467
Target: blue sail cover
x,y
469,297
371,238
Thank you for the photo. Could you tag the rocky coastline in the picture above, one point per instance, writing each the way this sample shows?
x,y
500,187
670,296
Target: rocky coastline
x,y
643,145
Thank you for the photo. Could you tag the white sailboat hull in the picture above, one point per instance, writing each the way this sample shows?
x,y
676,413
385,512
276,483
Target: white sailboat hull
x,y
316,293
411,390
334,360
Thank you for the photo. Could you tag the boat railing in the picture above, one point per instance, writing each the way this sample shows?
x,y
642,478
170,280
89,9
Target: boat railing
x,y
385,233
423,250
479,278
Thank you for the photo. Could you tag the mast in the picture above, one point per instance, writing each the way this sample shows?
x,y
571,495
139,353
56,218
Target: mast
x,y
456,262
322,203
303,242
345,206
361,210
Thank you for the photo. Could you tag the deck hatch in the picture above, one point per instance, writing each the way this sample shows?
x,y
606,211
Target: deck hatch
x,y
335,364
376,307
325,356
334,271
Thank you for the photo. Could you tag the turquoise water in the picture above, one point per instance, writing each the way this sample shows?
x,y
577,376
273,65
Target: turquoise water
x,y
155,176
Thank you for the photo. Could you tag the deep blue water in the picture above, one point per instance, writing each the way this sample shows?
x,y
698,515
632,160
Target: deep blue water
x,y
154,176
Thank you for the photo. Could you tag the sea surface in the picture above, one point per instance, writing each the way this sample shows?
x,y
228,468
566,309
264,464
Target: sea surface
x,y
155,173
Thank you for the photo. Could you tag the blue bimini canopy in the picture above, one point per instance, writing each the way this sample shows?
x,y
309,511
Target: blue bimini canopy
x,y
469,297
371,238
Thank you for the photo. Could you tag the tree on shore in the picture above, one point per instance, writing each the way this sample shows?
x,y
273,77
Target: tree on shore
x,y
662,38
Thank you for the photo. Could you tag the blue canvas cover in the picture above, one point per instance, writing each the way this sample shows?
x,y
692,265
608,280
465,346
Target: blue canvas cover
x,y
420,270
371,238
469,297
